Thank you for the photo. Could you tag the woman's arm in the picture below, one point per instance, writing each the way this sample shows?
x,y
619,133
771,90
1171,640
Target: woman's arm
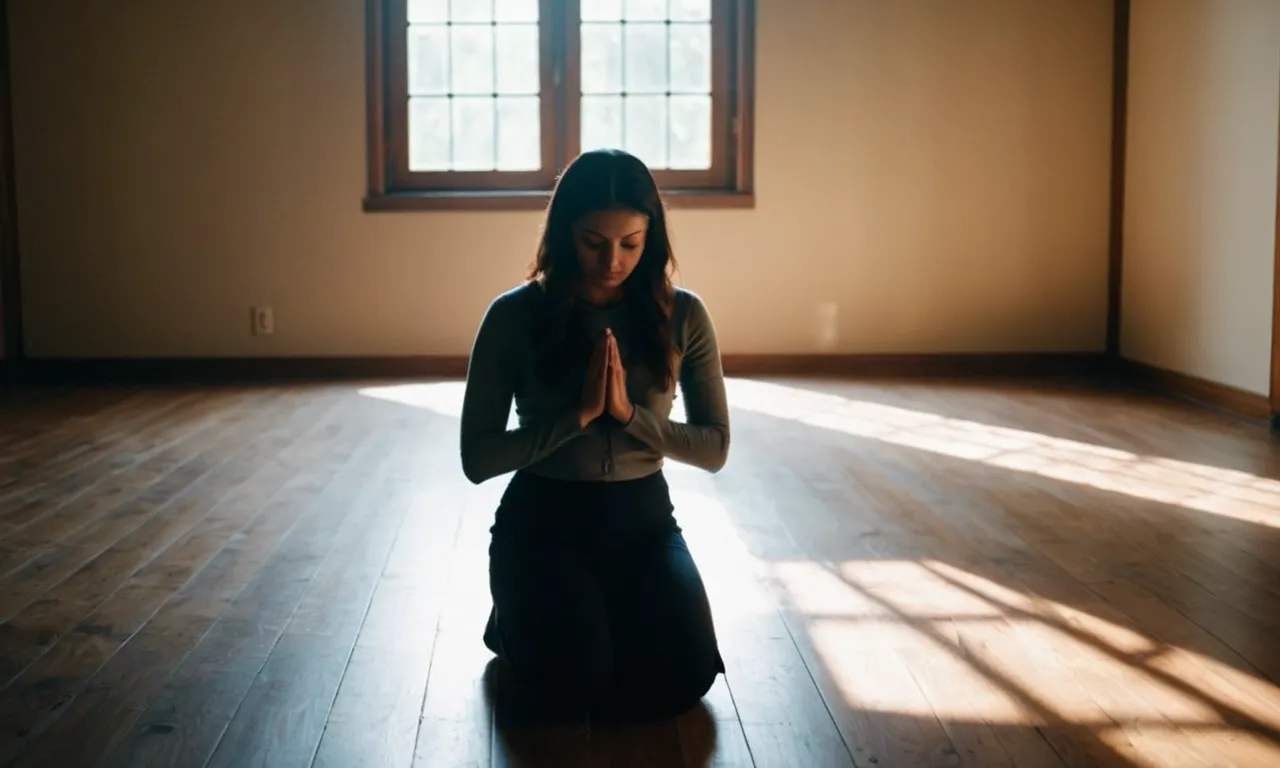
x,y
702,440
489,449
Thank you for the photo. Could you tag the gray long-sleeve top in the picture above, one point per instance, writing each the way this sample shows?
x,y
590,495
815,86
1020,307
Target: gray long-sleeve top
x,y
548,440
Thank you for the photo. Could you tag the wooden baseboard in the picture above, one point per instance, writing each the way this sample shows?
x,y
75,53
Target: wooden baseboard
x,y
241,370
249,370
1201,391
919,366
237,370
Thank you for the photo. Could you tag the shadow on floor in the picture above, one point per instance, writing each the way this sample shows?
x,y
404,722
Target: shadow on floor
x,y
524,738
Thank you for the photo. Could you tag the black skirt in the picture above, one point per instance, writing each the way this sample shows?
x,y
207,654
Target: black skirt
x,y
598,604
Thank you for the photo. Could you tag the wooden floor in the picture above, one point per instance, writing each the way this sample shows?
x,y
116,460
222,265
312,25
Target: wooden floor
x,y
902,574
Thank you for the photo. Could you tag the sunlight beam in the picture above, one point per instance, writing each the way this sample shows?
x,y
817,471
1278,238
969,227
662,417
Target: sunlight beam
x,y
1228,493
932,640
1034,662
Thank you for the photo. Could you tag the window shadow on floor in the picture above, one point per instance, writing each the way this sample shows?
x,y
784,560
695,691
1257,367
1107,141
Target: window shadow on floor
x,y
897,580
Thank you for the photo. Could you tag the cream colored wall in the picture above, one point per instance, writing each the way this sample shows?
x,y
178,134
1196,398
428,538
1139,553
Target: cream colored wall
x,y
1204,102
938,170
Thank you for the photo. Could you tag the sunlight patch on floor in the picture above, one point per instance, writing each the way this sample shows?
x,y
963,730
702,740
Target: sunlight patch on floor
x,y
729,570
981,652
442,397
1229,493
1010,602
927,638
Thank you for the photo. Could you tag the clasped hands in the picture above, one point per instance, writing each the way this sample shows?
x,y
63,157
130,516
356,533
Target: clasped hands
x,y
605,387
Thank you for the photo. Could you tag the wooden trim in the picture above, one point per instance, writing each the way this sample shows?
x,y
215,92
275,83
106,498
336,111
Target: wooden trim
x,y
10,257
569,36
535,201
375,89
726,150
1119,149
395,112
1087,366
679,198
456,201
392,187
238,369
231,370
958,365
744,98
1192,388
1274,395
724,65
564,67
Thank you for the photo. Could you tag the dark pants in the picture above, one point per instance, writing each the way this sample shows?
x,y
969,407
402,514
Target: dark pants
x,y
598,606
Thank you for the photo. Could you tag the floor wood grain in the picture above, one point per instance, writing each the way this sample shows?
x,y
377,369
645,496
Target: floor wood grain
x,y
903,574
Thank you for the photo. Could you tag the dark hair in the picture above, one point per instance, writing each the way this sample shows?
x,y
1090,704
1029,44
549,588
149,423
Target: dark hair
x,y
598,180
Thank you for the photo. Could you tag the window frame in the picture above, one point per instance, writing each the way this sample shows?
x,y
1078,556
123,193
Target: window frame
x,y
393,187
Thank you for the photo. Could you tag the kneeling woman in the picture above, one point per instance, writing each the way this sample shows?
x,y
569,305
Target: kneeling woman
x,y
598,605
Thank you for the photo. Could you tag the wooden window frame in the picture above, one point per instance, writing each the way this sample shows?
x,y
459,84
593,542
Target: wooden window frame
x,y
729,183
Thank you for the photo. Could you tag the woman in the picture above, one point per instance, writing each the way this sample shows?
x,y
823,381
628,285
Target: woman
x,y
598,605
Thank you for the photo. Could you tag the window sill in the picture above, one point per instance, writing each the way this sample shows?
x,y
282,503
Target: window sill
x,y
535,200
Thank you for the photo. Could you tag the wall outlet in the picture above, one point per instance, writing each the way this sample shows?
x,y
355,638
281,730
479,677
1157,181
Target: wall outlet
x,y
263,321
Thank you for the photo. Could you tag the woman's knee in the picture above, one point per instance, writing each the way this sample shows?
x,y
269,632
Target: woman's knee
x,y
690,670
668,674
571,662
575,682
663,688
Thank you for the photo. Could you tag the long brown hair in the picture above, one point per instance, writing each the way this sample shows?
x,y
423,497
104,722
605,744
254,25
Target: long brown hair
x,y
604,179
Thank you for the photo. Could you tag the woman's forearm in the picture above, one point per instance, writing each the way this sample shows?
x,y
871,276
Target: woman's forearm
x,y
702,440
705,446
488,448
488,454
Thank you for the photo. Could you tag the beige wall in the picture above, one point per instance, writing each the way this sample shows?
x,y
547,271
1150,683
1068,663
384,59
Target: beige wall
x,y
1201,199
936,169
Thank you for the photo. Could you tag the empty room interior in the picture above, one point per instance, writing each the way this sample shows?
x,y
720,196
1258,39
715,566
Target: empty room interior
x,y
988,287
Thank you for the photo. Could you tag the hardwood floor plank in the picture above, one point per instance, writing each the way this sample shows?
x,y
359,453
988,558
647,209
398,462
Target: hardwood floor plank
x,y
249,589
86,453
915,535
1046,582
53,421
1016,694
456,724
77,528
773,689
283,715
374,720
226,465
937,574
187,716
1229,565
710,742
77,654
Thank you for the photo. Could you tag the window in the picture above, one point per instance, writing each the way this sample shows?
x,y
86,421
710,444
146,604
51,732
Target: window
x,y
480,103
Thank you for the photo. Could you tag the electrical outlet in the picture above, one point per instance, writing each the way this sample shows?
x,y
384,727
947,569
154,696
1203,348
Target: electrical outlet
x,y
263,320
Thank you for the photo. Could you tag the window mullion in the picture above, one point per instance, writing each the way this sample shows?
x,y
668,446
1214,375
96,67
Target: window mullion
x,y
571,80
549,46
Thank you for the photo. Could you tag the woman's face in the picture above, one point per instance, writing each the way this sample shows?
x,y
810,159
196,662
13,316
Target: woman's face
x,y
609,245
